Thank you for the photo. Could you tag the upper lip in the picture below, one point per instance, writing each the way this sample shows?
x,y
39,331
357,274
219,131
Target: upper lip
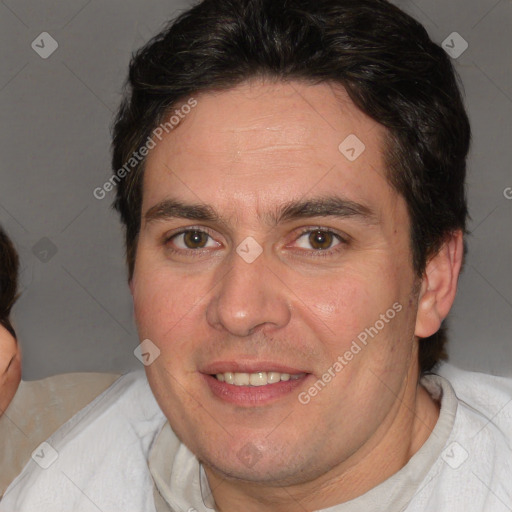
x,y
241,366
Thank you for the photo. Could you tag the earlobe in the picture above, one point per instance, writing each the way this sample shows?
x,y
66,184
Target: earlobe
x,y
439,285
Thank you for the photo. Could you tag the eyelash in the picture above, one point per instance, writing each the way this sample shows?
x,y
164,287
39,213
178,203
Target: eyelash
x,y
314,253
323,253
190,252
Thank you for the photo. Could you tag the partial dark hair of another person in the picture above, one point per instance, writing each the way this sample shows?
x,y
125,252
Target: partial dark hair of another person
x,y
9,265
384,59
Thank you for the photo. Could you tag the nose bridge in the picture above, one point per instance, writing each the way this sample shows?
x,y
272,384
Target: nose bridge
x,y
248,296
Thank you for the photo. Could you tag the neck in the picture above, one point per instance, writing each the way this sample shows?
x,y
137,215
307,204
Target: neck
x,y
404,432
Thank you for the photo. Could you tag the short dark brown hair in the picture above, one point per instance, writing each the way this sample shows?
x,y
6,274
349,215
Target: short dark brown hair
x,y
9,265
384,59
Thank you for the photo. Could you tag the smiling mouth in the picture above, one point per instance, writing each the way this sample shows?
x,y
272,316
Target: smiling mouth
x,y
257,378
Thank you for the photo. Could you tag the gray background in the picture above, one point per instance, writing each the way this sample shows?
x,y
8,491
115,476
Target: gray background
x,y
75,310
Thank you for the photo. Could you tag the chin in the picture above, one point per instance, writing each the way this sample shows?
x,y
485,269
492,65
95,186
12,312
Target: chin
x,y
271,467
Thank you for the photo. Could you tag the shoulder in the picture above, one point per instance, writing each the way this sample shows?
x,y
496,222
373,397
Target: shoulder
x,y
488,396
126,404
474,470
100,454
38,409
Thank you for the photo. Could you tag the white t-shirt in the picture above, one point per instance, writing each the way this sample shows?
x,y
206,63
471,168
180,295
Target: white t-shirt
x,y
110,455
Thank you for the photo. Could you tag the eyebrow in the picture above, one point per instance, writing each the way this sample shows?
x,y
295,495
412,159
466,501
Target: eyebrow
x,y
330,206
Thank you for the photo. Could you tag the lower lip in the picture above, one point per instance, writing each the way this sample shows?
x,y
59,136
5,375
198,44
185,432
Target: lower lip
x,y
253,395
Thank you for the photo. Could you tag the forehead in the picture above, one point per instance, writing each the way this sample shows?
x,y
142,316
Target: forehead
x,y
270,142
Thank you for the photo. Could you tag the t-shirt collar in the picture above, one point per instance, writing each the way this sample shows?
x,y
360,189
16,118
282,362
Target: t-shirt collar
x,y
181,483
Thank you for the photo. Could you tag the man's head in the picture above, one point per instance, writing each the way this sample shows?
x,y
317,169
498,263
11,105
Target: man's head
x,y
304,216
384,60
10,367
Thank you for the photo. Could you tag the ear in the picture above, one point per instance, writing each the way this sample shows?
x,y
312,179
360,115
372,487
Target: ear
x,y
439,285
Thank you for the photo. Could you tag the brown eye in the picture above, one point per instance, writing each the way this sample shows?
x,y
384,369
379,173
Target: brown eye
x,y
191,242
320,239
195,239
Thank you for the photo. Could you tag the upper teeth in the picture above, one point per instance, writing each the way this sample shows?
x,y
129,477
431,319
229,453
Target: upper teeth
x,y
255,379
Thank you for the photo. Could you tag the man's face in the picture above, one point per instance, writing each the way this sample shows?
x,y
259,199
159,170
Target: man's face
x,y
325,274
10,368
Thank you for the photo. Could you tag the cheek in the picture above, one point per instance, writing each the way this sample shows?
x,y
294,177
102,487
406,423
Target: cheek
x,y
352,304
8,348
163,304
346,305
152,302
340,306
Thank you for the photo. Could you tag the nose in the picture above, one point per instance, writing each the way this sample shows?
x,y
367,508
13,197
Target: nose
x,y
249,297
